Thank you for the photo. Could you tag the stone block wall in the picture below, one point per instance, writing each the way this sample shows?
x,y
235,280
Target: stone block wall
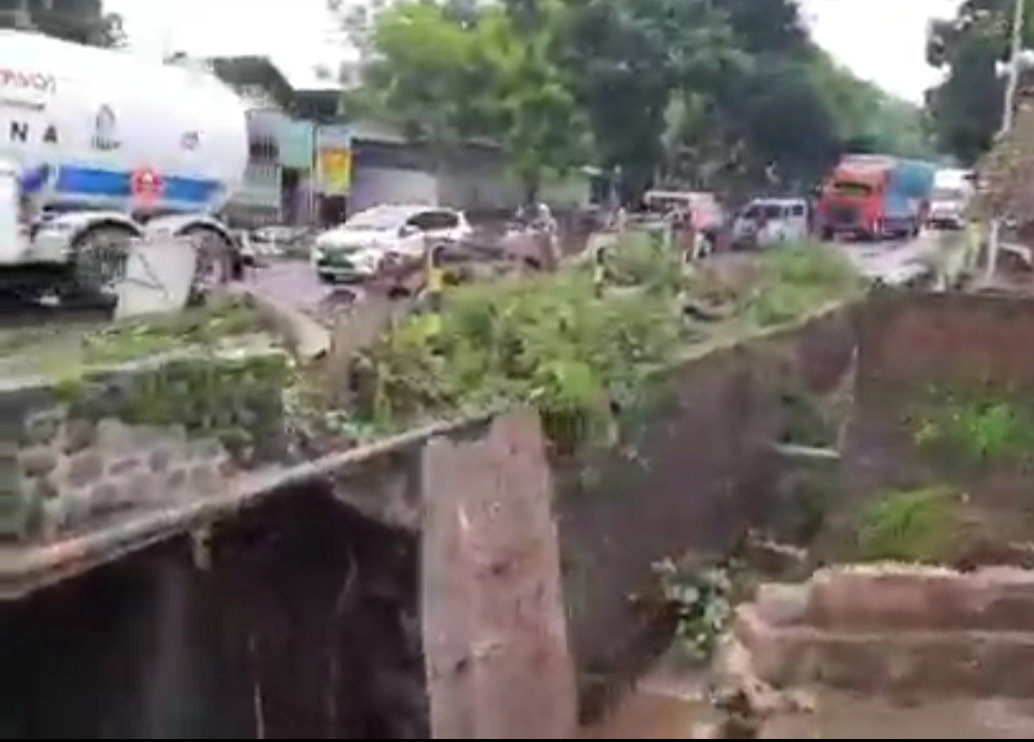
x,y
78,450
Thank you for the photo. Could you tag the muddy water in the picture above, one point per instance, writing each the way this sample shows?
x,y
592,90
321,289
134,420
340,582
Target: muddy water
x,y
645,716
663,705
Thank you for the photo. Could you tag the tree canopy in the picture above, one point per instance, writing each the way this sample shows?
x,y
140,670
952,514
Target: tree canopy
x,y
682,92
966,109
81,21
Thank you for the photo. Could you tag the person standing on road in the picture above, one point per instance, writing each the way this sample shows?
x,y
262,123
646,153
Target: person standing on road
x,y
545,229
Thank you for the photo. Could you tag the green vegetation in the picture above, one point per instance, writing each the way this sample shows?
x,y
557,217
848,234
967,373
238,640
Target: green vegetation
x,y
703,600
928,526
974,429
721,96
792,281
67,351
83,22
235,401
966,109
579,356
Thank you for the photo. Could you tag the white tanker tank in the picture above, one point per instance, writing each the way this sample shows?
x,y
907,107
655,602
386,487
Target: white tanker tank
x,y
110,147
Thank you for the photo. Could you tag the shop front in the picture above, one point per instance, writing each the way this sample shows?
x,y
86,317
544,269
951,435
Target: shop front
x,y
333,174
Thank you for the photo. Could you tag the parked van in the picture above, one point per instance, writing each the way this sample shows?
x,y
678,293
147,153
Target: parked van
x,y
769,221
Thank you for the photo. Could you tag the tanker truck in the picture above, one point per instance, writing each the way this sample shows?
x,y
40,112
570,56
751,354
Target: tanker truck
x,y
98,148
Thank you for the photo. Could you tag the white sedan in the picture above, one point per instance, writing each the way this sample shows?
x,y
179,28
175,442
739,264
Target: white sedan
x,y
357,249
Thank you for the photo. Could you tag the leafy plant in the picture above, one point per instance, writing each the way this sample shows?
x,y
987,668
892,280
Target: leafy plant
x,y
703,600
643,259
925,526
980,429
554,342
547,341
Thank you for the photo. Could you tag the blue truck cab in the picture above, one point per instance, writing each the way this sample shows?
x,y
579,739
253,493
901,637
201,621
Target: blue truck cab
x,y
906,200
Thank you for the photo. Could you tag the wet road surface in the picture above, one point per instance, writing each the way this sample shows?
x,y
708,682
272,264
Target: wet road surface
x,y
294,282
891,262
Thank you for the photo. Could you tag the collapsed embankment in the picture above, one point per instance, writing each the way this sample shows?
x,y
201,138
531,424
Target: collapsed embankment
x,y
258,622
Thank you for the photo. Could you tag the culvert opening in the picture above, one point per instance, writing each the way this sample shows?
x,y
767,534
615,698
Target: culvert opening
x,y
303,625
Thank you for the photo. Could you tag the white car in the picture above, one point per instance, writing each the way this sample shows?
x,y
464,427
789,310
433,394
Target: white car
x,y
356,250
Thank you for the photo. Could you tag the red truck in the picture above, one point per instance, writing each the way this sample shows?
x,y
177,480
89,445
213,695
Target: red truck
x,y
875,197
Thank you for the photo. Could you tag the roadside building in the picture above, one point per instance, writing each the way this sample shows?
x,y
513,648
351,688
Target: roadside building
x,y
325,167
278,181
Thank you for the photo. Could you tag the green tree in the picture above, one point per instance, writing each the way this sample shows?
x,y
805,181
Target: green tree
x,y
629,58
966,109
531,106
447,73
727,95
81,21
743,98
424,77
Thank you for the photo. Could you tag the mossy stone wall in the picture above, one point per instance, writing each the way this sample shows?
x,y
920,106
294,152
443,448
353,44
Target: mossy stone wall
x,y
110,441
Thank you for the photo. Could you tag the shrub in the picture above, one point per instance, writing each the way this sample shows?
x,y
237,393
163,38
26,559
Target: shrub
x,y
927,526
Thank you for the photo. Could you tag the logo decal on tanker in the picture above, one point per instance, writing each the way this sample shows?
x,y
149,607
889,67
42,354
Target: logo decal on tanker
x,y
105,130
13,78
146,184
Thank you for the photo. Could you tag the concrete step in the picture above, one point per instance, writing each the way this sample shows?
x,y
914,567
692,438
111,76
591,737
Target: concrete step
x,y
839,716
906,663
903,597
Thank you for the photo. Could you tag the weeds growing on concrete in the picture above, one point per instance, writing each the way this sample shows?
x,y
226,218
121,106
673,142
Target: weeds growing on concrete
x,y
975,428
926,526
64,349
795,279
576,350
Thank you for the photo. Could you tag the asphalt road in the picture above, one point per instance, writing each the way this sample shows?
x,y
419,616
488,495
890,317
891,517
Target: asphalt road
x,y
295,283
895,262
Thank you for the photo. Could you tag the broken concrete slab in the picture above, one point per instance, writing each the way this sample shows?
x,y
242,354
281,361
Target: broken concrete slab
x,y
495,632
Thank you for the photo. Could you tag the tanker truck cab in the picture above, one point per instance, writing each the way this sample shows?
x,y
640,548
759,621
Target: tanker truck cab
x,y
99,149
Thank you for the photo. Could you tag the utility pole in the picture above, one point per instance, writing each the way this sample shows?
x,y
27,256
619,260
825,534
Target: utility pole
x,y
994,237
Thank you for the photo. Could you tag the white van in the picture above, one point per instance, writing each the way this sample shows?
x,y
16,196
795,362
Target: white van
x,y
768,221
952,191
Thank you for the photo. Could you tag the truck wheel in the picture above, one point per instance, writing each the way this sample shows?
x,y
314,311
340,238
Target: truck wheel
x,y
98,263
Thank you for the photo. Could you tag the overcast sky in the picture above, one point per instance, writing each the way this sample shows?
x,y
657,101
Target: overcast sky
x,y
881,40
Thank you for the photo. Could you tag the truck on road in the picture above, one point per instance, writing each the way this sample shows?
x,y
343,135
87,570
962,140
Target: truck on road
x,y
952,191
875,197
98,148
